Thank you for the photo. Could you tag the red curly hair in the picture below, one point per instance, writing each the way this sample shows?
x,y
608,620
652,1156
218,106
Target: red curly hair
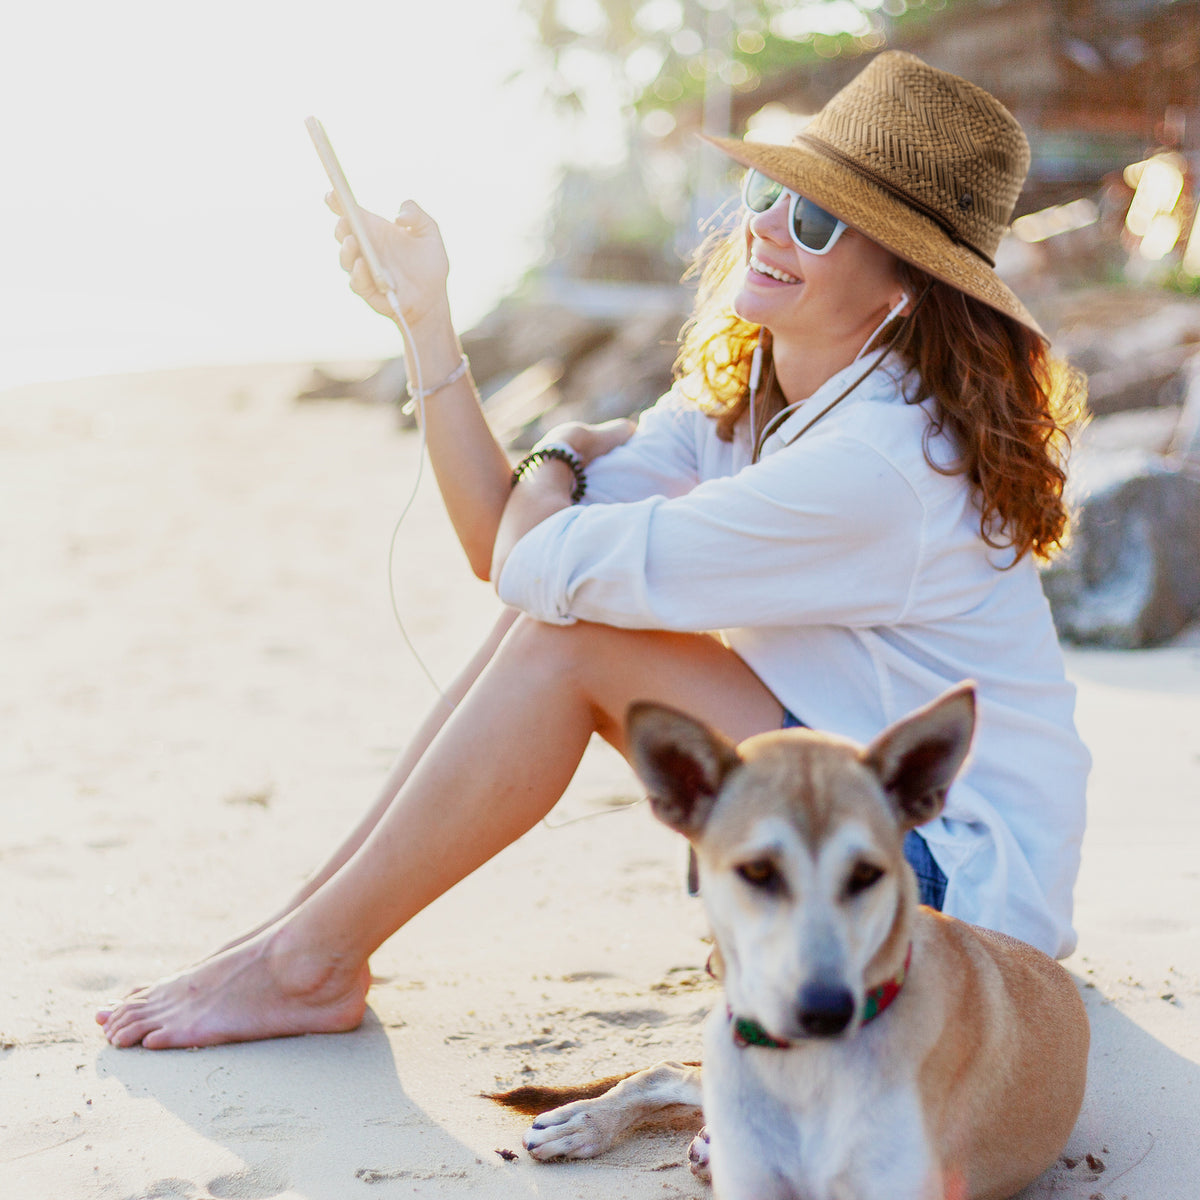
x,y
1007,404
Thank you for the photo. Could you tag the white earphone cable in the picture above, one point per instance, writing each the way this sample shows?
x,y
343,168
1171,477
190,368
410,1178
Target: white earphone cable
x,y
413,362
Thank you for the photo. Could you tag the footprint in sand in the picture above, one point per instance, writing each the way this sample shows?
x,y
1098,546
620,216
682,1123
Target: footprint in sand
x,y
630,1018
237,1124
385,1175
168,1189
254,1183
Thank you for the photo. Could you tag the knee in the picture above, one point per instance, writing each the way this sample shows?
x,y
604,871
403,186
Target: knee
x,y
582,658
560,650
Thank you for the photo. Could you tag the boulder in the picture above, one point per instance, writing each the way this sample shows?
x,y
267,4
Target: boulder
x,y
1131,575
1184,445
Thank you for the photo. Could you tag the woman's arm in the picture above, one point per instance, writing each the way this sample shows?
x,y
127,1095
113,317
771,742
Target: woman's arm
x,y
542,492
471,467
833,537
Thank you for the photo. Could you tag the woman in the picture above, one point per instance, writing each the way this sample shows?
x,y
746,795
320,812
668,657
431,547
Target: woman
x,y
858,512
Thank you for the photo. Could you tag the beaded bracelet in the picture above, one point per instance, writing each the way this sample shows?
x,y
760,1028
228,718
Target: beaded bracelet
x,y
563,453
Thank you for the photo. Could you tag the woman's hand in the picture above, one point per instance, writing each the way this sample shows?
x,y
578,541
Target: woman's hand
x,y
472,469
591,441
548,489
413,254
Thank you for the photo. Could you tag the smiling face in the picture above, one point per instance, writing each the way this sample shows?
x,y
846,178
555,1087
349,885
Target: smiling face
x,y
827,303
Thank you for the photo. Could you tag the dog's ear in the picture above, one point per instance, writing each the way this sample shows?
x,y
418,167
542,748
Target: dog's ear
x,y
917,759
681,761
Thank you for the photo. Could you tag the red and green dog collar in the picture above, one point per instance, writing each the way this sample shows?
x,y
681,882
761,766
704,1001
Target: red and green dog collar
x,y
750,1033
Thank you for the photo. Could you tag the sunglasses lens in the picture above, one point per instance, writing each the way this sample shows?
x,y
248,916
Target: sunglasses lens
x,y
760,192
812,227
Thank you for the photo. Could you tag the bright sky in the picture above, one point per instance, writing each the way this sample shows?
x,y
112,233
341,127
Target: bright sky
x,y
162,201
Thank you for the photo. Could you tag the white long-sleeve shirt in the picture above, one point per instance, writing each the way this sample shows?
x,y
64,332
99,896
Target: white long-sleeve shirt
x,y
851,577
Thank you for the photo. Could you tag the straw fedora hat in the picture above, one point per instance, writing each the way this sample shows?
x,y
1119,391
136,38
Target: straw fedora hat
x,y
924,163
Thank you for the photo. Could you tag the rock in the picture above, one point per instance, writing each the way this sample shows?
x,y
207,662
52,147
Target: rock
x,y
1131,574
1134,344
627,373
1184,446
1153,430
1150,381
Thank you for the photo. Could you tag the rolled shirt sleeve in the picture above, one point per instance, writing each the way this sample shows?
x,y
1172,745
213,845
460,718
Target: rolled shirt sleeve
x,y
822,532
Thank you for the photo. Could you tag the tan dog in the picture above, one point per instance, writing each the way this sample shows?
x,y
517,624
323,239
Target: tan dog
x,y
869,1048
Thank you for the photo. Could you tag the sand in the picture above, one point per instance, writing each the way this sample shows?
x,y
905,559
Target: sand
x,y
202,683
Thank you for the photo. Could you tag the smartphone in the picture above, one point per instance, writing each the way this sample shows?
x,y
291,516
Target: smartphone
x,y
349,205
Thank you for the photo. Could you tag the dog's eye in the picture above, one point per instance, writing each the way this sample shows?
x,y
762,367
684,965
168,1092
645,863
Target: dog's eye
x,y
762,874
863,876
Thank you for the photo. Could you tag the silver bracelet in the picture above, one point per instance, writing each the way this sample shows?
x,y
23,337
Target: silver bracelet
x,y
416,396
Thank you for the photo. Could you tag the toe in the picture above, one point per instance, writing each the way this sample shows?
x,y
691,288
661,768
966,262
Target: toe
x,y
113,1009
129,1033
128,1024
161,1039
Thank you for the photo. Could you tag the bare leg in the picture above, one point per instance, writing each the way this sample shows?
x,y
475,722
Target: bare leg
x,y
497,766
396,777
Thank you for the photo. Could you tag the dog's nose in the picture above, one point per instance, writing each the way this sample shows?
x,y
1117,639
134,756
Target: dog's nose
x,y
824,1011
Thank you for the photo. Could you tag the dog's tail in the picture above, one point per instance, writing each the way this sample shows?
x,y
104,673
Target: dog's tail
x,y
533,1100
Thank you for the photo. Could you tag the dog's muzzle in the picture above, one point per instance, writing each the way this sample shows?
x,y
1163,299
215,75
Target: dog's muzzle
x,y
823,1010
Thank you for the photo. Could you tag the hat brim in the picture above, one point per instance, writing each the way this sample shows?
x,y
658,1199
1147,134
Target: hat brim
x,y
882,217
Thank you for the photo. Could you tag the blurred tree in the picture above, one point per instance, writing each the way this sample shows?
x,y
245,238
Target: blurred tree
x,y
637,69
659,54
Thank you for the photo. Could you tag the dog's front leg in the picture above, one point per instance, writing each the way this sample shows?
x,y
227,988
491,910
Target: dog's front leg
x,y
586,1128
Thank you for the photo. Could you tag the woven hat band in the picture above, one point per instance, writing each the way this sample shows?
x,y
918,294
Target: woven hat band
x,y
824,148
934,136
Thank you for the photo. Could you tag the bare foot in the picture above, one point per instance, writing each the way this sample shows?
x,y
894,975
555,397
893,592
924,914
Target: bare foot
x,y
250,934
263,988
219,952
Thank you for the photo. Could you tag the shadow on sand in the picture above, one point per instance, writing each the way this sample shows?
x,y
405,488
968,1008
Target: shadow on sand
x,y
305,1115
1127,1144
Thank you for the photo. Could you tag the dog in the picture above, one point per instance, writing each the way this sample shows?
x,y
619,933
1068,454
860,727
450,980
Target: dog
x,y
867,1048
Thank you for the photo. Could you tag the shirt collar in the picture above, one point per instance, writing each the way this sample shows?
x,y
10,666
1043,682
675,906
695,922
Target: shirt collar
x,y
888,382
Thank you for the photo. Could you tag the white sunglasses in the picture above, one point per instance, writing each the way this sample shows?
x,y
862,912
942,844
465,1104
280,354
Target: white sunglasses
x,y
813,229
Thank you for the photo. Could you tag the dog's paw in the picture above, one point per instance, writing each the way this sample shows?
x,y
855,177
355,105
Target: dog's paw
x,y
575,1130
699,1156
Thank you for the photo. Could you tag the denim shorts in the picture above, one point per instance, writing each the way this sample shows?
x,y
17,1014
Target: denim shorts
x,y
931,879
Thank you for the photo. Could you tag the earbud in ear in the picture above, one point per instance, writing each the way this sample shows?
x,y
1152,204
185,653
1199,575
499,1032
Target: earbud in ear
x,y
904,298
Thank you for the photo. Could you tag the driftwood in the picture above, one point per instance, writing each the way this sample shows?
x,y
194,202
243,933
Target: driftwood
x,y
587,352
